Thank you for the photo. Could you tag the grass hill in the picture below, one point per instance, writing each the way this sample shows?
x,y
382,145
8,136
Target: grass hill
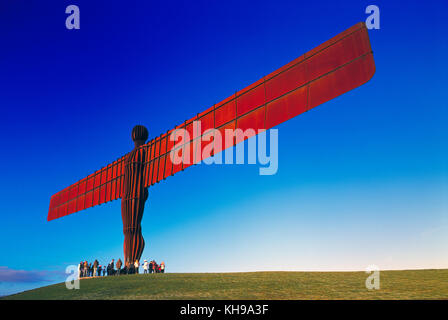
x,y
408,284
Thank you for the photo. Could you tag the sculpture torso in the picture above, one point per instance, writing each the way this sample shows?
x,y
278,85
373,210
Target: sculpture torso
x,y
133,185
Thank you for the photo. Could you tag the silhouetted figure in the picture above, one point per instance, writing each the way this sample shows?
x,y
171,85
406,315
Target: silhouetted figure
x,y
134,196
112,266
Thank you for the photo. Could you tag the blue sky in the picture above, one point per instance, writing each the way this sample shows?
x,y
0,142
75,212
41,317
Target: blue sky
x,y
362,179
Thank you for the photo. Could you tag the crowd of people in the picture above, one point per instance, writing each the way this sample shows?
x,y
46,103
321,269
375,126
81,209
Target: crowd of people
x,y
86,269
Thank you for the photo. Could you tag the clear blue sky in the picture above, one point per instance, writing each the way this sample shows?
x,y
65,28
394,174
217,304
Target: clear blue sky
x,y
362,179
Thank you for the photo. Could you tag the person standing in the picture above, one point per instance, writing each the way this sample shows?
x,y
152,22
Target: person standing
x,y
112,267
95,268
127,267
136,266
118,265
145,267
162,267
85,269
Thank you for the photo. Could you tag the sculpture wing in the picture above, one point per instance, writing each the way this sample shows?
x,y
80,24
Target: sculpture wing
x,y
102,186
329,70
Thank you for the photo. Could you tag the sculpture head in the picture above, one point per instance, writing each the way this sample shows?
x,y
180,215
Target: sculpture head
x,y
139,135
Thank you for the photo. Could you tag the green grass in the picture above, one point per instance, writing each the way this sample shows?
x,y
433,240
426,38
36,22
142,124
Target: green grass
x,y
408,284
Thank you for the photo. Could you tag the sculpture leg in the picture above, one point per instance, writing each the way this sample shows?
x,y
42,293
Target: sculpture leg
x,y
133,244
132,213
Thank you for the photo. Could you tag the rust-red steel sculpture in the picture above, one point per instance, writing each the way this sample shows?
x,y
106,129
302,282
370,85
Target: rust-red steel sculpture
x,y
329,70
134,196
